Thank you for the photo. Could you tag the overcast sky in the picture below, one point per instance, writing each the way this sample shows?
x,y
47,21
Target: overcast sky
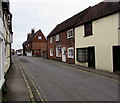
x,y
42,14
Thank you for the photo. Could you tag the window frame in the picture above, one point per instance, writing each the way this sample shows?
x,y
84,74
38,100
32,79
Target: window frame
x,y
40,37
51,39
70,56
70,33
88,29
58,53
57,37
51,52
85,56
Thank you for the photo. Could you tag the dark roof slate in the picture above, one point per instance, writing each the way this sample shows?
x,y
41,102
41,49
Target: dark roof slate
x,y
100,10
31,38
91,13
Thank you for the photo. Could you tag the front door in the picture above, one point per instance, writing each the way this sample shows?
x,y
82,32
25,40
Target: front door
x,y
63,54
116,58
91,57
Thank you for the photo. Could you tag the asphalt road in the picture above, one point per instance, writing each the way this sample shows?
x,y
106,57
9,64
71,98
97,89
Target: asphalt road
x,y
62,83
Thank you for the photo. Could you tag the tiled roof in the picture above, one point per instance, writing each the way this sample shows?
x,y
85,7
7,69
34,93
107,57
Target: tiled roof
x,y
31,38
91,13
100,10
69,23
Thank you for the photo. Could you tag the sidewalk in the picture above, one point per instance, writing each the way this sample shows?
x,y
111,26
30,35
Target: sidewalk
x,y
16,88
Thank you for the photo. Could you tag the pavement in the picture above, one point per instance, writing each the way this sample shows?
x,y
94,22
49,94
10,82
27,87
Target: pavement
x,y
16,84
16,88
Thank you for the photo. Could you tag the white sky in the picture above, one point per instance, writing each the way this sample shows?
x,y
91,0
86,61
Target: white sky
x,y
42,14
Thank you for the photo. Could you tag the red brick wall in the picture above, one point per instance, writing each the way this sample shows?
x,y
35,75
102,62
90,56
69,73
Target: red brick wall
x,y
64,42
28,46
39,46
39,41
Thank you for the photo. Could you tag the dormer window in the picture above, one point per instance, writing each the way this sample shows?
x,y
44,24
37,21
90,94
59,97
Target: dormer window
x,y
39,37
70,33
57,37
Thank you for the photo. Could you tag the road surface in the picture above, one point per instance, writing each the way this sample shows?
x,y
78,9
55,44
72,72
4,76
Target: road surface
x,y
63,83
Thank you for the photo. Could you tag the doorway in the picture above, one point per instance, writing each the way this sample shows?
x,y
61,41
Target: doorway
x,y
63,54
116,58
91,57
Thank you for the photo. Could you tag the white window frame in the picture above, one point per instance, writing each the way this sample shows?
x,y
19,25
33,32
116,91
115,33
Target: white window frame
x,y
69,54
51,51
39,37
58,47
70,33
57,37
50,39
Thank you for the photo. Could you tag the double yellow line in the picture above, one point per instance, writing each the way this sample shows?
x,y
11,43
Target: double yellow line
x,y
36,86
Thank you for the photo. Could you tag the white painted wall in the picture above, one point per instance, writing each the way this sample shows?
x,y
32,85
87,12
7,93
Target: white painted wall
x,y
29,53
2,55
2,63
105,35
4,50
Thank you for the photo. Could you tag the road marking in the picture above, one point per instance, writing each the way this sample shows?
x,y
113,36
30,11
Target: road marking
x,y
41,96
31,97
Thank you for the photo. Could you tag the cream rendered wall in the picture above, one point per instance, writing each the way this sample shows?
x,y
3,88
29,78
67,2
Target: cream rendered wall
x,y
105,35
119,31
7,64
7,46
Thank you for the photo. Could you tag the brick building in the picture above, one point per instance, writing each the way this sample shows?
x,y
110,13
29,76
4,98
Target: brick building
x,y
61,40
35,45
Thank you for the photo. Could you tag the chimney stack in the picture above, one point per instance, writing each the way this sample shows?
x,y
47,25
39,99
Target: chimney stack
x,y
32,31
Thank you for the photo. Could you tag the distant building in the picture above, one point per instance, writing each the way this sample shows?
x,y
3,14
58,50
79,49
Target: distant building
x,y
19,52
35,45
5,39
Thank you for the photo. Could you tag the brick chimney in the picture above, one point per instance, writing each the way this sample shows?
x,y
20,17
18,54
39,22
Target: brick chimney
x,y
33,31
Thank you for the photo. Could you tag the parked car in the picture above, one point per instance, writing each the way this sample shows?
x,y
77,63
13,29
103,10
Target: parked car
x,y
19,54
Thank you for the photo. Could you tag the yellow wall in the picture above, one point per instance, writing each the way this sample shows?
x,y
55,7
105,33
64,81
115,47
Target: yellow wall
x,y
105,35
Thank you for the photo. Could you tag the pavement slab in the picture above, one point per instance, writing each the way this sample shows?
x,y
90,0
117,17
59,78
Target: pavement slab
x,y
17,90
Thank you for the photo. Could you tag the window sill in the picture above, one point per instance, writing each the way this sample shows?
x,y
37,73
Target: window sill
x,y
83,61
71,57
88,35
58,56
69,37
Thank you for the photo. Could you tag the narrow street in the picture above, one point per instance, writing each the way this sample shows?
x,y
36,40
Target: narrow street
x,y
59,82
